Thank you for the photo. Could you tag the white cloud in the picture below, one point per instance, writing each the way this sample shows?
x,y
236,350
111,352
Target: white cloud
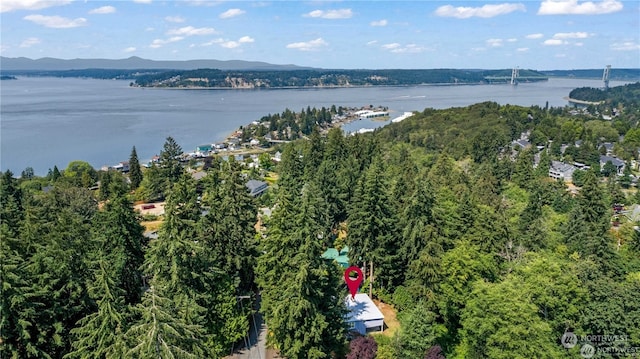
x,y
308,45
522,49
212,42
230,44
331,14
142,1
191,31
625,46
391,46
157,43
129,49
56,22
103,10
231,13
571,35
397,48
486,11
574,7
382,22
371,43
512,40
175,19
30,42
202,2
554,42
494,42
535,36
12,5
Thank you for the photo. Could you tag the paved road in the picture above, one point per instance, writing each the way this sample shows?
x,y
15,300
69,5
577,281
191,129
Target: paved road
x,y
254,346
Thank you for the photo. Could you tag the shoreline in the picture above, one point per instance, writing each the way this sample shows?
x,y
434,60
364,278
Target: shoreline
x,y
322,87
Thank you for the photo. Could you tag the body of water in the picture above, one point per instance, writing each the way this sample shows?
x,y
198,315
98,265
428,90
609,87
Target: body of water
x,y
52,121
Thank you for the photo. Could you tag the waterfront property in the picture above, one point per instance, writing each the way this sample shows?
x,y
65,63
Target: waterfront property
x,y
368,114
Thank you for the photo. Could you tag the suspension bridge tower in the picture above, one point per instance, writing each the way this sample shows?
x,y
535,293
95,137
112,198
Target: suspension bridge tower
x,y
605,77
515,72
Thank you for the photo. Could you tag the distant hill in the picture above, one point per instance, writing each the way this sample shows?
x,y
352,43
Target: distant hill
x,y
131,63
615,74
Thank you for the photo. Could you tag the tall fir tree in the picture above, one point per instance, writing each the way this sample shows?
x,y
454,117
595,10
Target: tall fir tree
x,y
101,333
301,299
371,229
228,229
135,172
161,332
119,235
169,163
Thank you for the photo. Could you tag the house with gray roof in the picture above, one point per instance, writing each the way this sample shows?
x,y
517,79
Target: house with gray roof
x,y
618,163
561,170
256,187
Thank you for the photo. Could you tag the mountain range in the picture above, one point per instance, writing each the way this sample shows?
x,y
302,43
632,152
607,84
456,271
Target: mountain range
x,y
133,63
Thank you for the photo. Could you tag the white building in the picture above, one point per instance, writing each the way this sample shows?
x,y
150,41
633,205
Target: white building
x,y
561,170
363,316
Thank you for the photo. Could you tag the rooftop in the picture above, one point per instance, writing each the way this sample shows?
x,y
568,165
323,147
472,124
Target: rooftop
x,y
362,308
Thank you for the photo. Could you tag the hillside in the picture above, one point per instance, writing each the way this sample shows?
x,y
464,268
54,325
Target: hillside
x,y
131,63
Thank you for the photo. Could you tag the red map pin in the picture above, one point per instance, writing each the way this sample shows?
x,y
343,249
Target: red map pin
x,y
353,283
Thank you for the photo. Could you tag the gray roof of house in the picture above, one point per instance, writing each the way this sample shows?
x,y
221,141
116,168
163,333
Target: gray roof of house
x,y
562,167
614,160
256,187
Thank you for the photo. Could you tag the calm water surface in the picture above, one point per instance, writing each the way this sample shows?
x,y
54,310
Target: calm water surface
x,y
52,121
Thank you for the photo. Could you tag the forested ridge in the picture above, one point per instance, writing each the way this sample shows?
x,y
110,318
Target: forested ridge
x,y
326,78
479,251
217,78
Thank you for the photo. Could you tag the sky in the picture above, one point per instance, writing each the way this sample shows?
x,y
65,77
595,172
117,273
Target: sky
x,y
539,35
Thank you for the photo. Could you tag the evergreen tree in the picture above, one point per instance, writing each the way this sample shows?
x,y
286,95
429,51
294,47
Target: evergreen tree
x,y
303,311
135,172
228,230
371,226
100,334
587,230
169,163
120,236
58,270
56,174
161,333
172,258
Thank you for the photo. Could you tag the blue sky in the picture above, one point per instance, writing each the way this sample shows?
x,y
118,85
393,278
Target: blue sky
x,y
543,35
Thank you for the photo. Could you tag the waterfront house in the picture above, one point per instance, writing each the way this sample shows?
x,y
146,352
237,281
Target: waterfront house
x,y
204,148
122,166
